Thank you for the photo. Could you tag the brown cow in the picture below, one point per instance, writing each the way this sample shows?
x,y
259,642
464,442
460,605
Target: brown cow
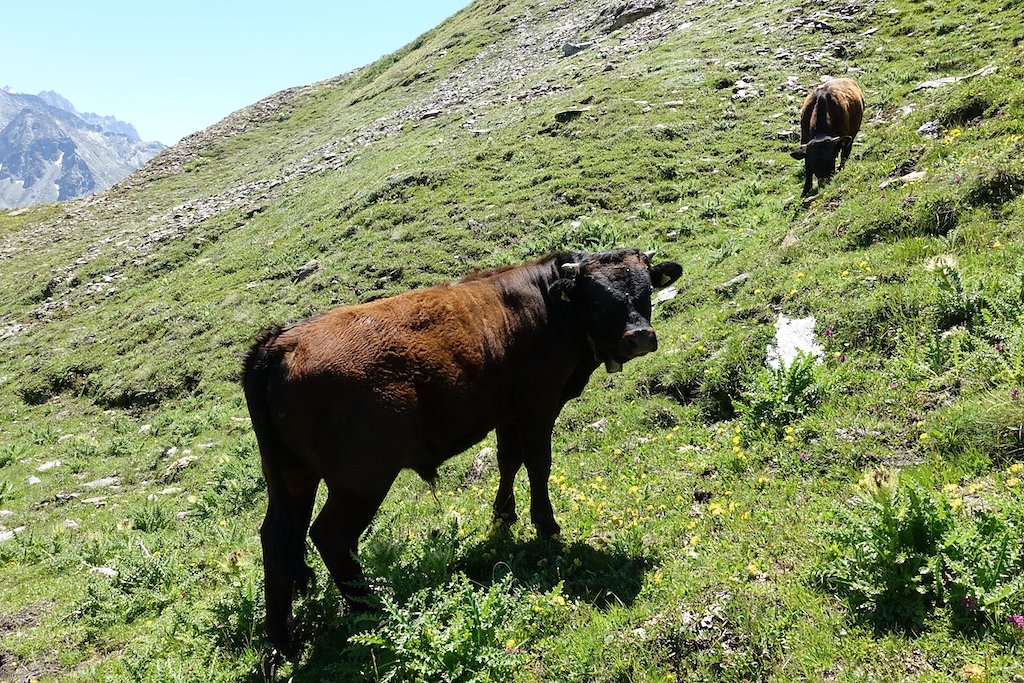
x,y
355,395
830,119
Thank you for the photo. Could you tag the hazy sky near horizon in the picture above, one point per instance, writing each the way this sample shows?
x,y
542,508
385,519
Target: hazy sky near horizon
x,y
173,67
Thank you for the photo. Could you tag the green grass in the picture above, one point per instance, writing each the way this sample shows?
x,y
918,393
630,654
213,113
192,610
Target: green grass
x,y
711,529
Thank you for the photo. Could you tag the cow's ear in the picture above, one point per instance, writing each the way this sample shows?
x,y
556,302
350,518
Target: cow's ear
x,y
665,273
562,288
799,153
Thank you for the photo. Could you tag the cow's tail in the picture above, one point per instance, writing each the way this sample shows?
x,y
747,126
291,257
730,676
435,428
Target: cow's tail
x,y
821,122
284,538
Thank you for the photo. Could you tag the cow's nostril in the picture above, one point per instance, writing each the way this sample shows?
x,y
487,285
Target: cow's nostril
x,y
642,340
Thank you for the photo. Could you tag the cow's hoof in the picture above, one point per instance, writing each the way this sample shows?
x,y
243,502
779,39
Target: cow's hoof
x,y
505,519
549,530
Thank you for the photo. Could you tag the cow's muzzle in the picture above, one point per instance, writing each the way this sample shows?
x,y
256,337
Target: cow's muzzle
x,y
638,342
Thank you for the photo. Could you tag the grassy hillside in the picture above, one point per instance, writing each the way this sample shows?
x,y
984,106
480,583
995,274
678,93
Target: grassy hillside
x,y
860,519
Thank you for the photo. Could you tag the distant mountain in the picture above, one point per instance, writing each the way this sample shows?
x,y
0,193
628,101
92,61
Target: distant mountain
x,y
51,152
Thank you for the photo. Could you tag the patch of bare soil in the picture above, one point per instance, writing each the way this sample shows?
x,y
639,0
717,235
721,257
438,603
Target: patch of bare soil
x,y
11,667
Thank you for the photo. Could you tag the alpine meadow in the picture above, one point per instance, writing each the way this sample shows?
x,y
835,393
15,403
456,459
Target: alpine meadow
x,y
855,514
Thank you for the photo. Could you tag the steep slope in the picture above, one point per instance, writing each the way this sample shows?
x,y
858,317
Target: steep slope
x,y
709,529
48,152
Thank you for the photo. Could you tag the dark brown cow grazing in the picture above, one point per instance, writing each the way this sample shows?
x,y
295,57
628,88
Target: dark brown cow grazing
x,y
355,395
829,121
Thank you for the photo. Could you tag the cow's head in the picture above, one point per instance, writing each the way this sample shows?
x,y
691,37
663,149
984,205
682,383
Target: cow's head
x,y
820,154
611,295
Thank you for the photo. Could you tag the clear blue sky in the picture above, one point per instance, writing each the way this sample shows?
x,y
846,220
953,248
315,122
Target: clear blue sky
x,y
172,67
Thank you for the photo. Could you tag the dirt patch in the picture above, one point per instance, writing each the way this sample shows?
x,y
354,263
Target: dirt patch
x,y
11,667
29,617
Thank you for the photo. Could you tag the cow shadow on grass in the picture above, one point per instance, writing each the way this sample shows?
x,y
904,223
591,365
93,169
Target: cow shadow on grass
x,y
600,576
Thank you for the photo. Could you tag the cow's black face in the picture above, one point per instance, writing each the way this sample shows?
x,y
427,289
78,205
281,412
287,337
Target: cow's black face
x,y
820,155
611,294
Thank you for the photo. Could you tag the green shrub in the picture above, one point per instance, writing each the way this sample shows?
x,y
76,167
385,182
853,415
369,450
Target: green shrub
x,y
452,633
905,550
782,395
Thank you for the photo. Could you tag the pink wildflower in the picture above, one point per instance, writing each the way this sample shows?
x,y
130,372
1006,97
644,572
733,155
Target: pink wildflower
x,y
1016,620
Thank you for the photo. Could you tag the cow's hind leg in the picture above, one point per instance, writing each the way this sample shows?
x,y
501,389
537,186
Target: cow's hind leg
x,y
283,536
510,459
844,154
351,504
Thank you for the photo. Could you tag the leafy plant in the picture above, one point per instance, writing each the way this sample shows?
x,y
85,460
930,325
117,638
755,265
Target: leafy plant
x,y
782,395
905,550
452,633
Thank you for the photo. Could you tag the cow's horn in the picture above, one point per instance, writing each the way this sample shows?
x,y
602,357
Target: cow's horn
x,y
570,269
650,254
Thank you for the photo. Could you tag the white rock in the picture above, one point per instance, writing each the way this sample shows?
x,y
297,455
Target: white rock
x,y
664,295
10,533
48,465
71,524
6,513
792,336
33,480
108,572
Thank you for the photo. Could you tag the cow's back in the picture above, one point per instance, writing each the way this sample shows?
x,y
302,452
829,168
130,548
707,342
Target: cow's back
x,y
844,107
426,373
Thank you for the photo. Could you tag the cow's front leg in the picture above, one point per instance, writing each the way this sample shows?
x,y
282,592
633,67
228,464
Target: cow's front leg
x,y
537,456
510,459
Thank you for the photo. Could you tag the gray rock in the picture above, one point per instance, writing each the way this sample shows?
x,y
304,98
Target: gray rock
x,y
931,130
634,11
733,283
305,271
570,49
102,483
570,114
174,470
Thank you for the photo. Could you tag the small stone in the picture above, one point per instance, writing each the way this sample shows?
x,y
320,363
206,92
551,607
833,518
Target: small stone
x,y
98,501
102,483
108,572
599,426
33,480
4,514
733,283
306,270
10,533
930,130
569,49
71,524
178,466
570,114
48,465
